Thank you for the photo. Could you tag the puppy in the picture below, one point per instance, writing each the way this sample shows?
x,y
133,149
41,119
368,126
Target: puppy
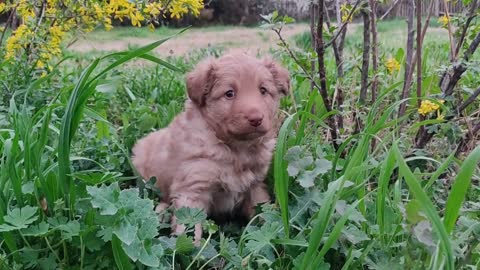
x,y
215,155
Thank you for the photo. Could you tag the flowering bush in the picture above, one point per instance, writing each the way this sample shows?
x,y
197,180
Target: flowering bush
x,y
45,24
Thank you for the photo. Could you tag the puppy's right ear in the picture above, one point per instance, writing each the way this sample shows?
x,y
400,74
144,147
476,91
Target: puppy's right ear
x,y
200,81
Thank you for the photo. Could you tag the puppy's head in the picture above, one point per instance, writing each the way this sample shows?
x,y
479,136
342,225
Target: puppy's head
x,y
238,94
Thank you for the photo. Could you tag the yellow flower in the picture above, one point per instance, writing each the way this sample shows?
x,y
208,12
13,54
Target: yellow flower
x,y
444,20
345,10
153,9
107,22
40,64
2,7
427,106
392,65
98,11
440,116
51,11
180,7
151,27
137,18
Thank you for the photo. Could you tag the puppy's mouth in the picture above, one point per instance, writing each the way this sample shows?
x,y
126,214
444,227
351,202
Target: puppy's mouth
x,y
245,135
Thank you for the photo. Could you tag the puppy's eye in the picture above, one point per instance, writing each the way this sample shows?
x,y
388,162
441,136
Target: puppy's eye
x,y
263,91
230,94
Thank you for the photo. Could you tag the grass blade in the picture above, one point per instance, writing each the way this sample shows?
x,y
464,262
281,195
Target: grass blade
x,y
280,172
135,53
439,171
382,191
460,188
121,259
428,208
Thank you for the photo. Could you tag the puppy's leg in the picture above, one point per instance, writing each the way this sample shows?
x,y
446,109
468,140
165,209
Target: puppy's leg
x,y
191,200
160,210
257,194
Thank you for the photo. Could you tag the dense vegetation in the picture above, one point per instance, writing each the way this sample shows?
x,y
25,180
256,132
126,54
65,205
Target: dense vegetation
x,y
366,196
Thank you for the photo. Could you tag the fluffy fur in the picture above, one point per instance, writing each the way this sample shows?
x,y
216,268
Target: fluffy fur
x,y
215,154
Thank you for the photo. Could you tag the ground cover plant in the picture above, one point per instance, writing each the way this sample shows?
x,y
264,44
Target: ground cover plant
x,y
360,180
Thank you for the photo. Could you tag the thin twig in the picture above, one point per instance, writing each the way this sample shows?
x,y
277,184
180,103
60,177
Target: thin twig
x,y
408,62
469,100
466,139
373,14
295,59
419,52
350,14
313,39
390,9
9,22
471,15
450,32
365,56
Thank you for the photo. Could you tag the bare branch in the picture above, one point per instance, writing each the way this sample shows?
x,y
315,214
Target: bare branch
x,y
471,134
373,14
8,23
419,51
320,48
408,61
390,9
469,100
449,79
365,56
334,38
450,33
471,15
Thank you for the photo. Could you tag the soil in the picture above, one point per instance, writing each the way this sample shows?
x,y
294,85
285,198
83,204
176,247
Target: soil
x,y
234,39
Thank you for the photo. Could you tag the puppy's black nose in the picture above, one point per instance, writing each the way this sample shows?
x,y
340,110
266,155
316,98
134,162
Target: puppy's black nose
x,y
255,121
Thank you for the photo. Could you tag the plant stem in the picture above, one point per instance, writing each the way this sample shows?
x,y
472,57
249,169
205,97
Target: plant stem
x,y
200,251
52,250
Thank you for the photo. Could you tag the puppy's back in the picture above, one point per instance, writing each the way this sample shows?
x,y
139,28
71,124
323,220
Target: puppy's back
x,y
147,153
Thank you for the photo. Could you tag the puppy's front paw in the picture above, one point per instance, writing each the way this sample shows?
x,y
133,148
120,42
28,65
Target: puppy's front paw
x,y
160,209
178,229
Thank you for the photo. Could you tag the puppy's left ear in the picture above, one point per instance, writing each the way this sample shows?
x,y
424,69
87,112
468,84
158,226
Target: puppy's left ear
x,y
280,75
200,81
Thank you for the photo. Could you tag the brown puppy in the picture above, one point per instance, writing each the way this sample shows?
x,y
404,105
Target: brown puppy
x,y
215,155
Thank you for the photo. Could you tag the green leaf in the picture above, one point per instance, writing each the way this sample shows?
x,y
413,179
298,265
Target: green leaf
x,y
106,234
413,212
104,198
307,177
19,218
28,188
355,235
352,213
295,167
184,244
190,216
48,263
36,230
260,239
423,232
126,232
70,229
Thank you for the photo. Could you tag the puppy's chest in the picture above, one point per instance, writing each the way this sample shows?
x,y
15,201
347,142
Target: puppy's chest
x,y
244,168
